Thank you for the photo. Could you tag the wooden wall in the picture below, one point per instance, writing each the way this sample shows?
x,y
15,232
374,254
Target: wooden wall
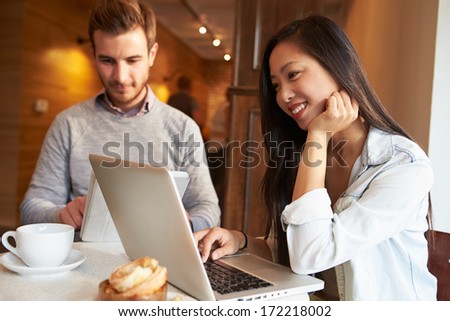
x,y
41,59
54,67
11,30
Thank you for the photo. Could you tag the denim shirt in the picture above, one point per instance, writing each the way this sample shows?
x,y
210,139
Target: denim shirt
x,y
374,233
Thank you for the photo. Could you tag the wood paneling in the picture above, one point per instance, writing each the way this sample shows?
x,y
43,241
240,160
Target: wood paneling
x,y
239,206
11,31
255,164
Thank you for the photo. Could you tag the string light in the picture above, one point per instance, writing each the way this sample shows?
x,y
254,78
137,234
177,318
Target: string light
x,y
204,28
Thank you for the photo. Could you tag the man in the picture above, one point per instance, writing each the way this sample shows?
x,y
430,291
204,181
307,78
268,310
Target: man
x,y
124,120
183,100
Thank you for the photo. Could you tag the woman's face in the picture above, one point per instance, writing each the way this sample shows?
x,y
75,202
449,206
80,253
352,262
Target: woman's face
x,y
302,85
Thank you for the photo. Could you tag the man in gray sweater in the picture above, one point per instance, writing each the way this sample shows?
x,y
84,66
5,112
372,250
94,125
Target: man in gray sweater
x,y
125,120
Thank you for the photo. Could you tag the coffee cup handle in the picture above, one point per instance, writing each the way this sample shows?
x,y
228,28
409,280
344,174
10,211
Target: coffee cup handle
x,y
6,243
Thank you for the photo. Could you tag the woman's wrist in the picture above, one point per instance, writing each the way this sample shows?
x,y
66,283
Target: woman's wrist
x,y
243,244
318,137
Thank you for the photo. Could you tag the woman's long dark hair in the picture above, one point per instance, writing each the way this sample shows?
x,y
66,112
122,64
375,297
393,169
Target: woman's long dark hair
x,y
322,39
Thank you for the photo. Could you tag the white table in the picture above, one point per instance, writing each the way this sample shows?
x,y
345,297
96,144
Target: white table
x,y
80,283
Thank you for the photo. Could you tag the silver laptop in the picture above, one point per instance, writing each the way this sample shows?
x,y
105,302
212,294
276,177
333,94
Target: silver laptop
x,y
150,220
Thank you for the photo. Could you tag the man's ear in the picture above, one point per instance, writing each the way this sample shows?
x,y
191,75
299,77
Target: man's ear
x,y
152,54
92,50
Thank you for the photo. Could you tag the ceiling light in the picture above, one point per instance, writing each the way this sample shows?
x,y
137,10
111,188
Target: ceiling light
x,y
227,57
202,22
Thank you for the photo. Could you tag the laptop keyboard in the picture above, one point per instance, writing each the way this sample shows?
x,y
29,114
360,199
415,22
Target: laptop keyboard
x,y
227,279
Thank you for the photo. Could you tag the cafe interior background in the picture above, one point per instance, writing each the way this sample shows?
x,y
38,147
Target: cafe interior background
x,y
46,66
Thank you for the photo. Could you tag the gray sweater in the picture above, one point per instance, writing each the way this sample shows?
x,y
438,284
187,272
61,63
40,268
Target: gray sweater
x,y
162,137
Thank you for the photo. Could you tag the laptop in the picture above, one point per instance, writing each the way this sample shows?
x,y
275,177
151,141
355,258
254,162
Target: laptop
x,y
150,220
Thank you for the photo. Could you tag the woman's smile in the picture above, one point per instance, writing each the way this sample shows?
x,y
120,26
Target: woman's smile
x,y
297,110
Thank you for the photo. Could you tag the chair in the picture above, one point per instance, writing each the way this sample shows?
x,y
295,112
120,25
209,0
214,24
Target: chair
x,y
439,264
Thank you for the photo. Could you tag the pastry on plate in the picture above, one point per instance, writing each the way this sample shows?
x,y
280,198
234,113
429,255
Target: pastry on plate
x,y
141,279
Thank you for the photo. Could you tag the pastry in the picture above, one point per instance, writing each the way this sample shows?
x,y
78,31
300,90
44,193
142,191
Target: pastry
x,y
141,279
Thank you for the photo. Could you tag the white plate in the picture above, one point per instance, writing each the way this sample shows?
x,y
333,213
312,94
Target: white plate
x,y
14,263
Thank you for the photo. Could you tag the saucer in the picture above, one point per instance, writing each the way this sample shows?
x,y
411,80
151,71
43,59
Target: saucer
x,y
14,263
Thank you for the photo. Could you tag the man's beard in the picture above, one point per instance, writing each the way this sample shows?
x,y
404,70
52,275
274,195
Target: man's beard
x,y
123,99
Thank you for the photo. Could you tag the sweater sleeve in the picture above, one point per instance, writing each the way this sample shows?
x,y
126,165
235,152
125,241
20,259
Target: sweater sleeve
x,y
49,189
200,198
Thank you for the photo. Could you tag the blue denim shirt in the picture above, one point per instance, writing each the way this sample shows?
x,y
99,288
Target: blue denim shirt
x,y
374,233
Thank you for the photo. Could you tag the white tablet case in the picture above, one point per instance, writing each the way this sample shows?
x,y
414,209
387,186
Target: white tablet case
x,y
97,225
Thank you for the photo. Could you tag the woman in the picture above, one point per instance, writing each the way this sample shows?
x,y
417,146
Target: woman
x,y
357,198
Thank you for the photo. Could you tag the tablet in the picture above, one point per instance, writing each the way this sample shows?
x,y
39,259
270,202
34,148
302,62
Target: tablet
x,y
97,225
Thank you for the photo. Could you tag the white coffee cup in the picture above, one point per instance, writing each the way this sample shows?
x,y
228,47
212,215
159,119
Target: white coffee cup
x,y
41,245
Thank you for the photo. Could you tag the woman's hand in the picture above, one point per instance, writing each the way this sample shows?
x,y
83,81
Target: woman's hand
x,y
217,242
340,111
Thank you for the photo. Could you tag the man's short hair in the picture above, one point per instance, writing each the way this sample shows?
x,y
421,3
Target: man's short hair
x,y
119,16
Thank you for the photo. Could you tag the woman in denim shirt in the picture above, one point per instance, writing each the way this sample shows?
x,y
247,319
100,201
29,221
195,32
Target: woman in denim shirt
x,y
357,199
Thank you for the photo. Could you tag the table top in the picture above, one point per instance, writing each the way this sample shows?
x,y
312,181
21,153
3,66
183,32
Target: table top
x,y
80,283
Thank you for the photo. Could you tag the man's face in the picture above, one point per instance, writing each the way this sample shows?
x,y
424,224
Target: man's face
x,y
123,63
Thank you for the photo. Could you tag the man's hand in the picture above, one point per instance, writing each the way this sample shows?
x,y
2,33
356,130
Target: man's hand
x,y
73,213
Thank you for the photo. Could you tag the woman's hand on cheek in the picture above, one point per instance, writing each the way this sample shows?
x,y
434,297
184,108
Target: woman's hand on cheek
x,y
340,111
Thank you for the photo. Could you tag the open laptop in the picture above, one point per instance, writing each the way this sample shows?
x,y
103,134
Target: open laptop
x,y
150,219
